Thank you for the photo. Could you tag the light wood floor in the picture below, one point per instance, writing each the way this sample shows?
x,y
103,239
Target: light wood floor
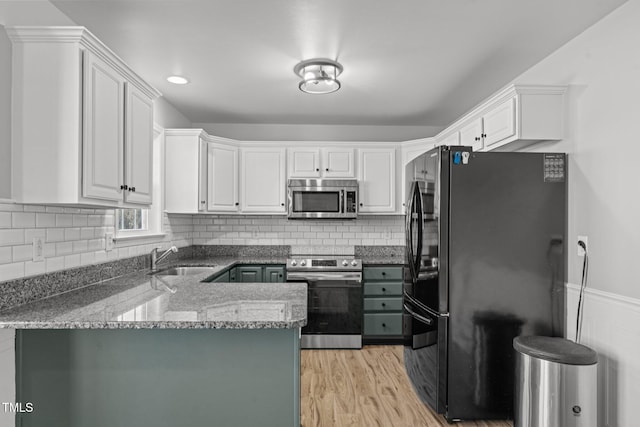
x,y
367,387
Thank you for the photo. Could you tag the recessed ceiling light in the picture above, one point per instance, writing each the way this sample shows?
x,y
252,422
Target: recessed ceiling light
x,y
177,80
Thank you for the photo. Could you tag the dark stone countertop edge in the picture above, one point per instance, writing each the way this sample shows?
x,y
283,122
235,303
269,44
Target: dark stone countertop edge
x,y
158,324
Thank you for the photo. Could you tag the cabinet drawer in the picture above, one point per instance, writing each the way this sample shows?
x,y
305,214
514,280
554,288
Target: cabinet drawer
x,y
383,304
382,273
383,324
383,288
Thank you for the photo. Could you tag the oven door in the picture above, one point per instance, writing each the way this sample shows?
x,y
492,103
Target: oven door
x,y
334,310
316,202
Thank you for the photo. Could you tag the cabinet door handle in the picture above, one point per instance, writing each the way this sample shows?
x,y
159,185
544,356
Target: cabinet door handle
x,y
384,325
384,289
237,203
477,138
384,305
281,204
484,135
317,169
360,204
124,187
327,169
202,202
133,189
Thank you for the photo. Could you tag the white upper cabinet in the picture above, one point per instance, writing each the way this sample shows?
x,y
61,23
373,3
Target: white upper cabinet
x,y
471,134
185,171
81,118
512,118
138,152
304,163
377,178
326,162
338,162
263,180
222,180
103,128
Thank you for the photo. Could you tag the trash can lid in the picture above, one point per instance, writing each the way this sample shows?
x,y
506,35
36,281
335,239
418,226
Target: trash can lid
x,y
555,349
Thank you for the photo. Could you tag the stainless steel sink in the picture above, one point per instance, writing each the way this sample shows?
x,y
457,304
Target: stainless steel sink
x,y
184,271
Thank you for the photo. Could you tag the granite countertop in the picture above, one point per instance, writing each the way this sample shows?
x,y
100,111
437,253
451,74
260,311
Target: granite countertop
x,y
382,260
141,301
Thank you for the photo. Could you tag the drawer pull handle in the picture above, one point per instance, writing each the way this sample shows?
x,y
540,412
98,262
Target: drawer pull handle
x,y
384,273
384,289
384,325
384,305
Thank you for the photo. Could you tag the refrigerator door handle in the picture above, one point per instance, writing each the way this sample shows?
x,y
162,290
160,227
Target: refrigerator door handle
x,y
409,236
417,316
415,202
423,307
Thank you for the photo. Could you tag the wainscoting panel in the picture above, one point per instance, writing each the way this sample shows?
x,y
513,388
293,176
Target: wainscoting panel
x,y
611,326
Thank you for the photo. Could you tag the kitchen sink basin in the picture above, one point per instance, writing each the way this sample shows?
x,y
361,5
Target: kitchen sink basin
x,y
184,271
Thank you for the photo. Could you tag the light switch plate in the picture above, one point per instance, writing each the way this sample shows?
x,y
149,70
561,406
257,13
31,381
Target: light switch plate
x,y
108,242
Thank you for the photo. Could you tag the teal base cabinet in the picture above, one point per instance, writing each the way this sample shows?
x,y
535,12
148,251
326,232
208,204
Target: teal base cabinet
x,y
274,274
159,377
383,319
251,274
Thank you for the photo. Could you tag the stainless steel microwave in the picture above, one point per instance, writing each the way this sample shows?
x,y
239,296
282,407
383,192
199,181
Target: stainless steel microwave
x,y
322,198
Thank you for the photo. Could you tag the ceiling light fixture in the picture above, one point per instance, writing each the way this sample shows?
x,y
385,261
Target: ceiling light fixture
x,y
178,80
318,75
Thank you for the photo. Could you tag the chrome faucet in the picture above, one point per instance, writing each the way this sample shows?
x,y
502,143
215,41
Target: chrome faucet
x,y
155,259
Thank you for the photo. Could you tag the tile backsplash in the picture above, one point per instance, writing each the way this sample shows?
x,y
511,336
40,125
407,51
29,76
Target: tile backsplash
x,y
75,237
278,230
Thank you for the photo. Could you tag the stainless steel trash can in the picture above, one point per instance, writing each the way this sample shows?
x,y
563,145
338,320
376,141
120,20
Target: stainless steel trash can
x,y
555,383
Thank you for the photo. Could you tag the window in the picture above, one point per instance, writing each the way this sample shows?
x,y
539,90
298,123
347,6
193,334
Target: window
x,y
132,220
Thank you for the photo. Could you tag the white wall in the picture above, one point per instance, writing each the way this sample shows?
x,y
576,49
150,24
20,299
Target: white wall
x,y
602,67
282,132
167,116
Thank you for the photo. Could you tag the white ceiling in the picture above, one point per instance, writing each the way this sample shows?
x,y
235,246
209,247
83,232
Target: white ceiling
x,y
406,62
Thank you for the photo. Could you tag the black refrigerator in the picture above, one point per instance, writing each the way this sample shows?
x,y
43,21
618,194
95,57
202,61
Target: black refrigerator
x,y
486,256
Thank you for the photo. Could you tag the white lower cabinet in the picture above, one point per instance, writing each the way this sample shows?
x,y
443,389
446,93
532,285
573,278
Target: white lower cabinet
x,y
377,176
82,119
263,180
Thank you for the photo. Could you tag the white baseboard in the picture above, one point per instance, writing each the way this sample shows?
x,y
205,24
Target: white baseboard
x,y
611,326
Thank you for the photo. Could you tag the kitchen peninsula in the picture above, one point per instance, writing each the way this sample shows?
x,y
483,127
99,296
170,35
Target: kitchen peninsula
x,y
161,350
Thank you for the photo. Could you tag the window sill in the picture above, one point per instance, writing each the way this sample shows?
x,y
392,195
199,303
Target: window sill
x,y
128,238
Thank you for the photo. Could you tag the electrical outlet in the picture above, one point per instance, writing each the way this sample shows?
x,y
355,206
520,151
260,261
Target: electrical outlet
x,y
108,242
38,249
585,239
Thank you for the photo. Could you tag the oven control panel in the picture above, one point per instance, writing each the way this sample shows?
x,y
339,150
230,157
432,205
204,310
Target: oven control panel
x,y
325,264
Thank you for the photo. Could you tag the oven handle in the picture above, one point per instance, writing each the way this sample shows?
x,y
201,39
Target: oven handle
x,y
321,276
417,316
